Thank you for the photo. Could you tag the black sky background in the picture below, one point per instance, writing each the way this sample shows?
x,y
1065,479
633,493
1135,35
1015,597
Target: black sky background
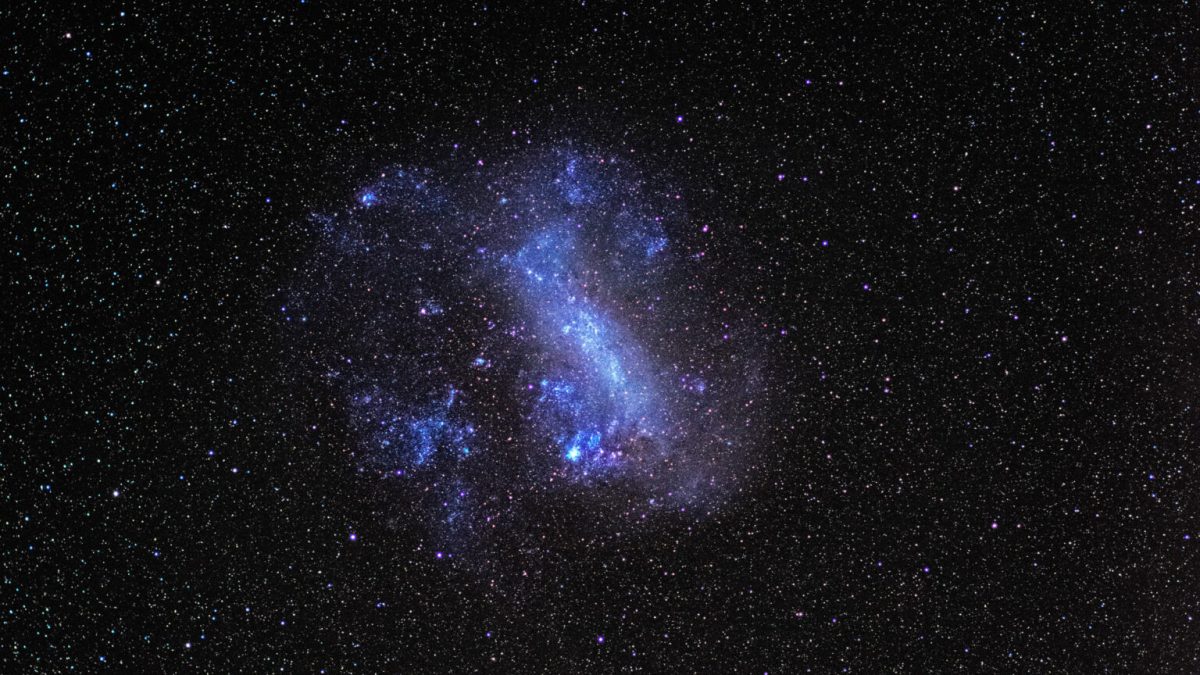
x,y
160,165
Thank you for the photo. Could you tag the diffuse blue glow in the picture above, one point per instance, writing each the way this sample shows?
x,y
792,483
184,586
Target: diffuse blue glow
x,y
604,400
412,438
408,187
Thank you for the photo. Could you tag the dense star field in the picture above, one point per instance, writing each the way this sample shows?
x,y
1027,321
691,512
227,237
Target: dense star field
x,y
600,337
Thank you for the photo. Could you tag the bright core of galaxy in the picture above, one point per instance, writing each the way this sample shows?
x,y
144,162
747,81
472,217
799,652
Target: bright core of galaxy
x,y
519,341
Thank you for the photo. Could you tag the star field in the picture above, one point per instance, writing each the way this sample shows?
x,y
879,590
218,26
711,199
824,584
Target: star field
x,y
600,337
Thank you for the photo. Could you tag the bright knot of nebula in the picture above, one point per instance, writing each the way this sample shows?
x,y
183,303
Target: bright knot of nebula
x,y
505,339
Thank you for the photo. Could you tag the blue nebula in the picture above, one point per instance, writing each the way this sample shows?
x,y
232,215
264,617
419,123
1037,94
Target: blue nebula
x,y
411,436
575,183
404,188
655,246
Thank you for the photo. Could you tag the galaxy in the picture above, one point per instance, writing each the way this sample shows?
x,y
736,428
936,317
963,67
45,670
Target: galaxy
x,y
600,337
491,329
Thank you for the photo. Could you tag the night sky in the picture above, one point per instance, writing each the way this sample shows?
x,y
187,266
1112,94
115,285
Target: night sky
x,y
600,337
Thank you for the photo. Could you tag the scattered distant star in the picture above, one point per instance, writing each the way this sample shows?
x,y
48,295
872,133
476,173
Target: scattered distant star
x,y
595,337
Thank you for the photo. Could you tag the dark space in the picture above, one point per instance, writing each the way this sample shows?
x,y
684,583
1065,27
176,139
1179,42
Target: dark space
x,y
774,337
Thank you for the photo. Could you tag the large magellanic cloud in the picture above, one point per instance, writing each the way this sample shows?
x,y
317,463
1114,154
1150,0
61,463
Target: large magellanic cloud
x,y
516,336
